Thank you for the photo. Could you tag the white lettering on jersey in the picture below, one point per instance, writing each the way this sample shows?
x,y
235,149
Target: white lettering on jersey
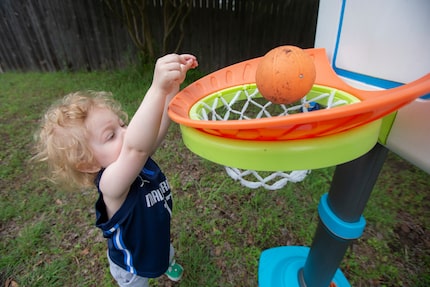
x,y
157,195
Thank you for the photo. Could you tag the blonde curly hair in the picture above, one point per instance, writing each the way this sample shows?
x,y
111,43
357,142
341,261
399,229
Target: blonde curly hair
x,y
61,141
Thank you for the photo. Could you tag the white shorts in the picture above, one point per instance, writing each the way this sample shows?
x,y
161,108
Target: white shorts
x,y
127,279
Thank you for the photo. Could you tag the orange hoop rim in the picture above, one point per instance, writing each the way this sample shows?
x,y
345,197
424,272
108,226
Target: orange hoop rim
x,y
374,104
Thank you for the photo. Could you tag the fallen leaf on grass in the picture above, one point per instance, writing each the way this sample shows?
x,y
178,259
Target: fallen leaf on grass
x,y
86,251
11,283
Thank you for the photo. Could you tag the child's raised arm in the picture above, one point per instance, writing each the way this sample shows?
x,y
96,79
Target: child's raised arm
x,y
166,119
142,134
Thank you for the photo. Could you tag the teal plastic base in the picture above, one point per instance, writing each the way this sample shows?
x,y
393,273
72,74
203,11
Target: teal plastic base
x,y
279,266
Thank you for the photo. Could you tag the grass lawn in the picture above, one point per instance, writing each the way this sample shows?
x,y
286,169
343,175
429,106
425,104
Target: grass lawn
x,y
220,228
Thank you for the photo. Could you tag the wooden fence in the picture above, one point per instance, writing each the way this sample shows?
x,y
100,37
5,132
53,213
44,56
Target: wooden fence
x,y
52,35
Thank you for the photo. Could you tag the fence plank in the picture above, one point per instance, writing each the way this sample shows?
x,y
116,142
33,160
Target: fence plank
x,y
49,35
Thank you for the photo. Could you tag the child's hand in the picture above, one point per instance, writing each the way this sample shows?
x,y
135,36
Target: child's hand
x,y
170,72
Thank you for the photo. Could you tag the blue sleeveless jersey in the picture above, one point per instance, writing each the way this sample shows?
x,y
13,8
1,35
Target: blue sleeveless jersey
x,y
138,234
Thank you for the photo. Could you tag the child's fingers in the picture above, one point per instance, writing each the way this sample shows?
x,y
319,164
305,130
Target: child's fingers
x,y
187,57
190,64
194,63
173,67
182,62
189,61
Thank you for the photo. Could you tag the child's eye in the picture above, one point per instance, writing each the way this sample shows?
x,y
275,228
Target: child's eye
x,y
111,136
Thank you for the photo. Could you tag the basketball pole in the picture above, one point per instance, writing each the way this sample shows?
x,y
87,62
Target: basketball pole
x,y
350,190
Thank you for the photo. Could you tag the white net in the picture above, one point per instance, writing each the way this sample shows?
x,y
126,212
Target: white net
x,y
272,181
247,103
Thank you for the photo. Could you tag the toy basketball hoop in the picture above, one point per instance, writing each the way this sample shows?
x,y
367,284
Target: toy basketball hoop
x,y
224,118
346,127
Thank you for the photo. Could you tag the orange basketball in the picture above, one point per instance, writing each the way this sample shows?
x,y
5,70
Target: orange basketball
x,y
285,74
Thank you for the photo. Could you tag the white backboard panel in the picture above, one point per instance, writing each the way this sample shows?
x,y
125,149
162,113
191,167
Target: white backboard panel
x,y
381,44
392,31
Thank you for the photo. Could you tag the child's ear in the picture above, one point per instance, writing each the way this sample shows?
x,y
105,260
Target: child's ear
x,y
88,167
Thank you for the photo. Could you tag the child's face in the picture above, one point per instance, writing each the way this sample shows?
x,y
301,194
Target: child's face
x,y
106,134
